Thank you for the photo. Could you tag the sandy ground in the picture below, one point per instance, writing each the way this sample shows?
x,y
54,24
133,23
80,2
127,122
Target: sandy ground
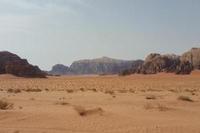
x,y
101,104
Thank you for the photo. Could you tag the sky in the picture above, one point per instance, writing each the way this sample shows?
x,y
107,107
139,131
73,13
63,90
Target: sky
x,y
48,32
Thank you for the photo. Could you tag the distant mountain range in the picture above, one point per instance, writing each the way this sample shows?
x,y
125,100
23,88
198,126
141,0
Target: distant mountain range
x,y
104,65
154,63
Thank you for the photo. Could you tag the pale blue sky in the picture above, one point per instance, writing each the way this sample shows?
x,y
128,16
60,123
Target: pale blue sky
x,y
47,32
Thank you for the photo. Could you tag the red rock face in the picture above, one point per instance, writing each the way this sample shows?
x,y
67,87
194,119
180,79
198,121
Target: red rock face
x,y
13,64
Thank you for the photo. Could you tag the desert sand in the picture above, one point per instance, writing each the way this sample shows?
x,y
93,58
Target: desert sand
x,y
162,103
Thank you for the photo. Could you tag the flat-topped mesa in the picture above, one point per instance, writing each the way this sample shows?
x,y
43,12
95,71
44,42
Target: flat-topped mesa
x,y
103,65
12,64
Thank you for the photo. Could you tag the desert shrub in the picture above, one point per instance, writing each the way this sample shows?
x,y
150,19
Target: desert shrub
x,y
94,90
150,97
4,105
14,91
82,89
110,92
132,91
185,98
33,90
70,91
84,112
62,103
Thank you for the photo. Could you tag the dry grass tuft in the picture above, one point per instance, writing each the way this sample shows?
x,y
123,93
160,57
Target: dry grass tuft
x,y
185,98
14,91
33,90
62,103
85,112
132,91
109,92
4,105
82,89
150,97
70,91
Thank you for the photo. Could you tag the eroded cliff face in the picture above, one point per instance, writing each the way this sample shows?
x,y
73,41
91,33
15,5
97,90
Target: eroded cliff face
x,y
155,63
102,65
12,64
192,56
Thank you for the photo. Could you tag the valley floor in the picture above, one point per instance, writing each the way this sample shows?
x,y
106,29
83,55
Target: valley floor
x,y
163,103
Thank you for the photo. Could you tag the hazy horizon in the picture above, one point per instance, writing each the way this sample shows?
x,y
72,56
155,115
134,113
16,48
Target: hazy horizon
x,y
49,32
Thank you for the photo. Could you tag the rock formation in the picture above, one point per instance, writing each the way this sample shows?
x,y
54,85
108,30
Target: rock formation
x,y
155,63
193,57
100,66
12,64
60,69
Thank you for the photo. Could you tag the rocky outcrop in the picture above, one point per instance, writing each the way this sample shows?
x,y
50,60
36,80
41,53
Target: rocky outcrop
x,y
193,57
155,63
60,69
185,67
12,64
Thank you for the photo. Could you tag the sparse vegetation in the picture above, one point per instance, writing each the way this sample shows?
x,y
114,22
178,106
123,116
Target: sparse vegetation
x,y
62,103
109,92
4,105
82,89
151,97
14,91
84,112
70,90
33,90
